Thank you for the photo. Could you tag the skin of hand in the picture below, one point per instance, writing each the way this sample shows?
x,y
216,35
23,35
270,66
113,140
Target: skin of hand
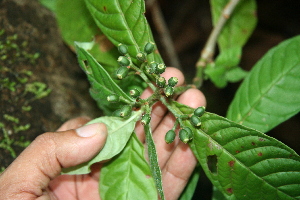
x,y
35,174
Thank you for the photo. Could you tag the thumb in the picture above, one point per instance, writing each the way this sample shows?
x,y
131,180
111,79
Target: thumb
x,y
44,158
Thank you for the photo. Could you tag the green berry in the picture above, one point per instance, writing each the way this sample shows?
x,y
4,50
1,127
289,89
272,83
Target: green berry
x,y
161,82
184,136
135,93
141,56
113,98
189,131
160,68
151,68
149,47
145,119
172,81
125,111
122,72
196,121
123,61
170,136
123,49
199,111
169,91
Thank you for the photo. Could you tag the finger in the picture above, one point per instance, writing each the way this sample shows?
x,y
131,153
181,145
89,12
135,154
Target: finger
x,y
74,123
177,171
193,98
158,110
43,159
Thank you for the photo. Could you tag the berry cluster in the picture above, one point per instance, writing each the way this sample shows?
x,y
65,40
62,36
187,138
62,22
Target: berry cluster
x,y
164,89
185,133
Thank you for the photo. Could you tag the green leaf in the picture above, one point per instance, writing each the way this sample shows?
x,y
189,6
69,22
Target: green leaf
x,y
124,22
101,83
50,4
239,26
77,25
119,132
128,176
189,189
270,93
152,155
244,163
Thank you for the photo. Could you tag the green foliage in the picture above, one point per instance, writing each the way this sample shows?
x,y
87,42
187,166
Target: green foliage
x,y
270,93
134,179
123,22
101,83
232,38
119,132
246,160
241,162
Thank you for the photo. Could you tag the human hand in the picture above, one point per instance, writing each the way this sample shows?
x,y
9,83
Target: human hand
x,y
30,175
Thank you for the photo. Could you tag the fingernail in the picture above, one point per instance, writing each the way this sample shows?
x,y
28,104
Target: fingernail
x,y
89,130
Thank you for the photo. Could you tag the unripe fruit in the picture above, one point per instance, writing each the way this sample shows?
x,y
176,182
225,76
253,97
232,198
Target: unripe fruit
x,y
113,98
169,91
122,72
170,136
199,111
123,61
172,81
141,56
149,47
195,120
125,111
151,68
161,68
161,82
135,93
145,119
123,49
184,136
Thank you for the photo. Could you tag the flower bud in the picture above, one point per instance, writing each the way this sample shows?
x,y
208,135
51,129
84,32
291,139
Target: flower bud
x,y
170,136
141,56
169,91
113,98
135,93
161,82
149,47
123,49
172,81
199,111
122,72
125,111
184,136
195,120
160,68
145,119
123,61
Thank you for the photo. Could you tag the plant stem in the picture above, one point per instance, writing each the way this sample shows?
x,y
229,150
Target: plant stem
x,y
209,49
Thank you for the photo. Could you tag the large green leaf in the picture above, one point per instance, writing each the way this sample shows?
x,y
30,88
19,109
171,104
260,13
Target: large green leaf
x,y
153,161
123,22
119,132
101,83
77,25
244,163
128,176
271,92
